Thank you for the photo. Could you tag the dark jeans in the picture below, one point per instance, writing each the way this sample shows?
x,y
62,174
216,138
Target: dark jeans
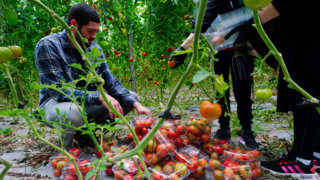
x,y
306,132
241,69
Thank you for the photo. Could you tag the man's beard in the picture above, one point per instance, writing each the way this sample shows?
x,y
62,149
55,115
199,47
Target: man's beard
x,y
79,40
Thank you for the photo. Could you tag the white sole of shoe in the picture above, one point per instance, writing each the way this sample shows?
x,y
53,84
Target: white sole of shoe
x,y
314,176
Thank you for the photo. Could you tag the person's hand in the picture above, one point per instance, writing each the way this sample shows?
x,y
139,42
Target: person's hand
x,y
114,103
178,59
245,30
141,109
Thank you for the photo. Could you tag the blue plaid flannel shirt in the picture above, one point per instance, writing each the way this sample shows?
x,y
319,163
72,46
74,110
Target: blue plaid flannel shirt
x,y
54,55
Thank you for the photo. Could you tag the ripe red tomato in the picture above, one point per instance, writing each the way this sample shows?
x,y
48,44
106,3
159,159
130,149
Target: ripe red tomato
x,y
179,142
75,152
181,129
144,54
131,59
193,130
172,133
169,49
57,173
110,18
54,163
109,171
181,157
204,138
163,56
162,150
70,177
144,130
210,111
218,149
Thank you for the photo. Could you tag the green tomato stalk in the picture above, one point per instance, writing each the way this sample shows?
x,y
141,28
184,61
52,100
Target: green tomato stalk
x,y
279,58
7,165
11,85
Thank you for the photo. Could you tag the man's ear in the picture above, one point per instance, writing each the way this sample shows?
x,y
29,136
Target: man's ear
x,y
74,23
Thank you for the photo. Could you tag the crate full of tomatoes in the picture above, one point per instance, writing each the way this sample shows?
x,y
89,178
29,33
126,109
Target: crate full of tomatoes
x,y
236,163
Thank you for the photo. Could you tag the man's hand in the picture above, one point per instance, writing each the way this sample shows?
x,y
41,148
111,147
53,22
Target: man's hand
x,y
177,60
114,103
141,109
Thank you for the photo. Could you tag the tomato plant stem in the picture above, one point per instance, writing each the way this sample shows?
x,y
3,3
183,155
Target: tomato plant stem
x,y
7,165
279,58
11,85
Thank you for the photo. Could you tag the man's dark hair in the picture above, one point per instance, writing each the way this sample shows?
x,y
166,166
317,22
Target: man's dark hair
x,y
83,13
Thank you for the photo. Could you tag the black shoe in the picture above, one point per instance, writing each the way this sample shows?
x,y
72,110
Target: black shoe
x,y
223,134
290,168
248,139
83,140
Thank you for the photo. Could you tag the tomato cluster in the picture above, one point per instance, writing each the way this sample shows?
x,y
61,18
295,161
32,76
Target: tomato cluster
x,y
236,164
84,166
142,127
59,162
129,169
199,130
169,170
6,53
195,160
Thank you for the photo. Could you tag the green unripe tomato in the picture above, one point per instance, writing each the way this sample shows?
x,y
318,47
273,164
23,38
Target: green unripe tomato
x,y
256,4
5,54
263,94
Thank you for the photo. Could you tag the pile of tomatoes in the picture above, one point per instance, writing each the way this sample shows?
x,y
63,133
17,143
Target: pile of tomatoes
x,y
59,162
142,126
236,164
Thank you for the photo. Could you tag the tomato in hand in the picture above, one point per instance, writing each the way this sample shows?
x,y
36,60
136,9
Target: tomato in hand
x,y
210,111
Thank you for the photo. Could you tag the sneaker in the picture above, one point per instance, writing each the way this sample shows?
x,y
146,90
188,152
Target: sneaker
x,y
290,168
248,139
223,134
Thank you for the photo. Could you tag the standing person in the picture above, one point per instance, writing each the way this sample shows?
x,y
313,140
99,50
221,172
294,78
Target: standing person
x,y
240,61
299,47
55,53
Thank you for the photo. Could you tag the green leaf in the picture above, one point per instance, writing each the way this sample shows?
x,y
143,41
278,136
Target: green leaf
x,y
219,85
121,165
90,174
95,52
77,66
11,16
102,167
200,75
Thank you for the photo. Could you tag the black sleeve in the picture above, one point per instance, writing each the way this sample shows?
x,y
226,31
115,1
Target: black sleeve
x,y
214,7
286,7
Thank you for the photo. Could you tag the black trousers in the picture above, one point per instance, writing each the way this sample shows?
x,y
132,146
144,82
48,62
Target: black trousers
x,y
306,132
241,69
